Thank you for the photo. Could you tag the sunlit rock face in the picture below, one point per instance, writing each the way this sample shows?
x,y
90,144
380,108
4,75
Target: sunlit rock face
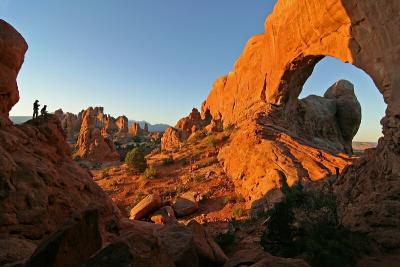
x,y
279,135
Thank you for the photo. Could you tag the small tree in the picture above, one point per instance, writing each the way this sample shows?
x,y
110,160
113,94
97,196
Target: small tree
x,y
135,160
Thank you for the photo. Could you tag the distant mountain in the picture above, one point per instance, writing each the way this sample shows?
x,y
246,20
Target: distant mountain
x,y
20,119
361,146
160,127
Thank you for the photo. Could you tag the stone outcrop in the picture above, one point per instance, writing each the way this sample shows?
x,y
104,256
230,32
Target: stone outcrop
x,y
12,49
40,185
174,137
260,98
190,124
258,257
71,244
146,244
70,124
368,195
171,139
330,121
91,145
135,129
122,124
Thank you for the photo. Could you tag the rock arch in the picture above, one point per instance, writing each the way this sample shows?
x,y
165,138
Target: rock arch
x,y
275,64
263,88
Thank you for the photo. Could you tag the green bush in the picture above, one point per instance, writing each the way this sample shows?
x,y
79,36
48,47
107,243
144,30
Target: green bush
x,y
238,212
136,161
168,161
210,140
234,199
225,240
150,173
304,224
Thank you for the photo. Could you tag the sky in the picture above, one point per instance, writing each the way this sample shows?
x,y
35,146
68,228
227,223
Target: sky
x,y
149,60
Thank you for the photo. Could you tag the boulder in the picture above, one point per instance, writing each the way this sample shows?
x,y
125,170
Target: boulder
x,y
209,252
146,206
70,245
259,258
148,244
348,110
185,205
177,241
163,215
137,247
15,249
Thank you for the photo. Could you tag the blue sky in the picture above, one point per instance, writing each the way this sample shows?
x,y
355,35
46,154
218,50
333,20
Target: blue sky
x,y
148,60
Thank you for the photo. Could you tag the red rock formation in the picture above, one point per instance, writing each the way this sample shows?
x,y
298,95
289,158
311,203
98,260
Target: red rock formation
x,y
171,139
70,124
40,185
13,48
174,137
190,124
122,124
91,144
135,129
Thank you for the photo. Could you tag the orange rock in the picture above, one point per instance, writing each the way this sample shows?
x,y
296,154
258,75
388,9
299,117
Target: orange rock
x,y
135,129
122,124
12,49
146,206
91,145
172,138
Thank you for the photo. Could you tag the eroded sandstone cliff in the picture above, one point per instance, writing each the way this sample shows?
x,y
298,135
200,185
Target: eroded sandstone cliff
x,y
40,185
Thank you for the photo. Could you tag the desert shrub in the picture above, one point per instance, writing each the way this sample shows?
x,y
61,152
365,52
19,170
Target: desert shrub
x,y
179,189
168,161
209,162
238,212
150,173
136,161
197,178
210,140
196,137
234,199
228,127
224,240
304,224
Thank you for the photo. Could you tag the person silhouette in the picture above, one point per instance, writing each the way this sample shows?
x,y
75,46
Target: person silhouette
x,y
35,109
43,111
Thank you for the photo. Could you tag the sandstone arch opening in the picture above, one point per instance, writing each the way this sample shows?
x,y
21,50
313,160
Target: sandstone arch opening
x,y
330,70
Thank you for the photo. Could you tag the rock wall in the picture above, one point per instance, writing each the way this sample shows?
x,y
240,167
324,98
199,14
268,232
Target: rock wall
x,y
40,185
